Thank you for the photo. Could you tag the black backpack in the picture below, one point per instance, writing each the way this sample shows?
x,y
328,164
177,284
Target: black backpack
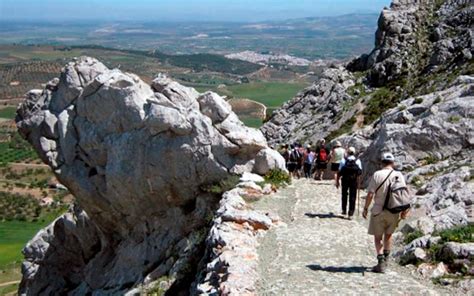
x,y
295,156
350,170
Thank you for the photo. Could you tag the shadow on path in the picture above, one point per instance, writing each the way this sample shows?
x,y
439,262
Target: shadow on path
x,y
340,269
324,216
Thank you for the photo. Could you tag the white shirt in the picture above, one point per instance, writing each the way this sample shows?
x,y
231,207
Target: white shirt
x,y
343,162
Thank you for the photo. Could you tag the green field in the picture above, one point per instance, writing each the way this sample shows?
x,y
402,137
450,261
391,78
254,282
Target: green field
x,y
251,121
15,234
271,94
8,112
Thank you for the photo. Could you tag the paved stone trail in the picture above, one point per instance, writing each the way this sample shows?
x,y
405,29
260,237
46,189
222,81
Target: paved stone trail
x,y
318,252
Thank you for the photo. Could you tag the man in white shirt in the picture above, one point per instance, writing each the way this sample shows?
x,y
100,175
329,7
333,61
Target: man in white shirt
x,y
382,222
350,169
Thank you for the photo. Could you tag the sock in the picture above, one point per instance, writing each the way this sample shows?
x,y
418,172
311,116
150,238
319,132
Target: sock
x,y
386,253
380,258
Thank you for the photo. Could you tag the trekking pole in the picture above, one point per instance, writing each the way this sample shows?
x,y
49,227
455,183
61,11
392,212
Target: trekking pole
x,y
358,196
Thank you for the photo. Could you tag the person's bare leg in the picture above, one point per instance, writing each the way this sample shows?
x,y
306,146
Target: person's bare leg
x,y
378,244
387,243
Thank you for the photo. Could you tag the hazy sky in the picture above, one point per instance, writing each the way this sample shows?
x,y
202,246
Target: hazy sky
x,y
179,10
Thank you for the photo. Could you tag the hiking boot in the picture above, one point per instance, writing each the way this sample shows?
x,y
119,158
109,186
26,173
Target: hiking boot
x,y
381,267
386,255
349,217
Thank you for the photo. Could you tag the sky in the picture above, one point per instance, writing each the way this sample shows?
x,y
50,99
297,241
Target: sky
x,y
182,10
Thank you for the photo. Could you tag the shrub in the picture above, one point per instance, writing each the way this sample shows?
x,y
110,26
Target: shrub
x,y
430,159
381,100
454,119
460,234
417,101
223,185
437,100
278,178
412,236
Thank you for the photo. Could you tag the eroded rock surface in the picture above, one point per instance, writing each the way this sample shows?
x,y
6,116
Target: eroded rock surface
x,y
136,157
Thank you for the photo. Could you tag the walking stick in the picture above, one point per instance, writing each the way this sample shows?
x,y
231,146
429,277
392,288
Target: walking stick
x,y
358,196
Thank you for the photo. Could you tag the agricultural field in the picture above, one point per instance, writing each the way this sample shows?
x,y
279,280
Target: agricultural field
x,y
270,94
28,199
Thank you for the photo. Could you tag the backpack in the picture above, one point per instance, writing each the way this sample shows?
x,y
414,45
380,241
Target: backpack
x,y
399,197
295,156
322,155
350,170
309,158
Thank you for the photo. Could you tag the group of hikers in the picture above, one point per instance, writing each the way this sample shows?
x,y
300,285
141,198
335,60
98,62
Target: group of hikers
x,y
387,188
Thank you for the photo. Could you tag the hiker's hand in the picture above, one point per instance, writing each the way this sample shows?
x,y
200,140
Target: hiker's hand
x,y
337,184
404,214
364,213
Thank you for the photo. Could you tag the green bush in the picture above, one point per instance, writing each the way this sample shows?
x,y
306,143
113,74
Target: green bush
x,y
412,236
223,185
381,100
454,119
278,178
417,101
430,159
460,234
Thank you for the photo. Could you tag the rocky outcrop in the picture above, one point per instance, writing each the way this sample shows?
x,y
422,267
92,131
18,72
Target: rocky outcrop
x,y
420,47
315,111
431,137
232,257
137,158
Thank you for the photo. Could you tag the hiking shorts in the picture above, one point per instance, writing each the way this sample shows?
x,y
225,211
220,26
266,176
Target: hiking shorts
x,y
335,166
383,223
321,165
291,166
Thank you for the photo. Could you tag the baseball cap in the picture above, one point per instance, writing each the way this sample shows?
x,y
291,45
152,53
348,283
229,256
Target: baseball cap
x,y
352,150
388,157
338,144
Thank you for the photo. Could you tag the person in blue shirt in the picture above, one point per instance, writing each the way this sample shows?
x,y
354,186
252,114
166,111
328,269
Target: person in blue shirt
x,y
350,168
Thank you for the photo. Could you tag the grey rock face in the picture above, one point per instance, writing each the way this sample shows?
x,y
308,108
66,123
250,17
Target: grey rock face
x,y
412,42
136,158
438,132
312,114
454,250
231,252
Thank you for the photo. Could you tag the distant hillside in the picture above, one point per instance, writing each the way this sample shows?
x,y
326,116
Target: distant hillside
x,y
339,37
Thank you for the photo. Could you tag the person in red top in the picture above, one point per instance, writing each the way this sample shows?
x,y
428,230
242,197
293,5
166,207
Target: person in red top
x,y
322,157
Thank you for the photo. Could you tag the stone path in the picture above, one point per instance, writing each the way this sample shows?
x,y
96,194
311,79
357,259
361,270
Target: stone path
x,y
317,252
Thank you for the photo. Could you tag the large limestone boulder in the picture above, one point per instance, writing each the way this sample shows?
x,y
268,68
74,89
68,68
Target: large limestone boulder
x,y
137,158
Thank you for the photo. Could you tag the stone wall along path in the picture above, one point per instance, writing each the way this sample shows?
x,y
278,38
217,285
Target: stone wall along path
x,y
317,252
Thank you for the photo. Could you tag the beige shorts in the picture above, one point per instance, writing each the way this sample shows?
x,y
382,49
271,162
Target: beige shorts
x,y
383,223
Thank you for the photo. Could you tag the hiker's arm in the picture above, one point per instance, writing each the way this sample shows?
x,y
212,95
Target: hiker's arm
x,y
368,200
404,214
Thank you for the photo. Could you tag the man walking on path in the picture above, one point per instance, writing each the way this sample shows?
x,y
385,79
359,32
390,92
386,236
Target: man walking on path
x,y
382,222
336,156
350,169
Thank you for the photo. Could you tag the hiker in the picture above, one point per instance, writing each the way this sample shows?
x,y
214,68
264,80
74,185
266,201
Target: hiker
x,y
350,169
299,166
383,221
294,160
336,156
286,154
321,159
308,161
